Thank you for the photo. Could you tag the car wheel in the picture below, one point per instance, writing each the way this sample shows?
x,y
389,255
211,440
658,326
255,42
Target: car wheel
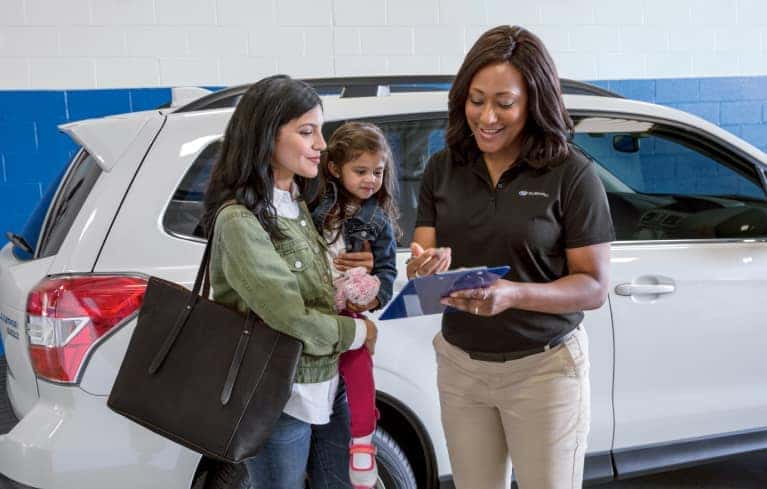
x,y
394,470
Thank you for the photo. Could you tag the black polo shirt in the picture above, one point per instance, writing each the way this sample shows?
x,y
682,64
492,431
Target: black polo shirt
x,y
527,221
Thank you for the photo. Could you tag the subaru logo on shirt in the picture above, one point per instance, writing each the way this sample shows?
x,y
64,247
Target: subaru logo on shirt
x,y
528,193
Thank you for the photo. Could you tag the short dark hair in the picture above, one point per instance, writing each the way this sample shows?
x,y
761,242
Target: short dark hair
x,y
243,171
548,128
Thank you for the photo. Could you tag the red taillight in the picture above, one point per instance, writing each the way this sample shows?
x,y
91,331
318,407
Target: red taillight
x,y
67,315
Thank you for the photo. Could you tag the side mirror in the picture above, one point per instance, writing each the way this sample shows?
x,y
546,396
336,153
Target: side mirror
x,y
626,143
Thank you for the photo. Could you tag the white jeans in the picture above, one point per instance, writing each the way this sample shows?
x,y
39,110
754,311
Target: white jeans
x,y
534,411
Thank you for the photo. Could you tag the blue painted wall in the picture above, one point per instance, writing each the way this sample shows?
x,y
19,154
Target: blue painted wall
x,y
33,152
738,104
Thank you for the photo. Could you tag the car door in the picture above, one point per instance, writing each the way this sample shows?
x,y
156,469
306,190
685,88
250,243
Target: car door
x,y
688,281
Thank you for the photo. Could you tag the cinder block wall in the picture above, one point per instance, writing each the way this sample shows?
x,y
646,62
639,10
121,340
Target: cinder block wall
x,y
64,61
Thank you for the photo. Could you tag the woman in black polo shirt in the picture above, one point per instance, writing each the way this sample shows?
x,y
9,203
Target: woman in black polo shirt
x,y
510,190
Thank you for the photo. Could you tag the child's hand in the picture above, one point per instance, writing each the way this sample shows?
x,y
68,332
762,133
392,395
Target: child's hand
x,y
364,259
359,308
357,290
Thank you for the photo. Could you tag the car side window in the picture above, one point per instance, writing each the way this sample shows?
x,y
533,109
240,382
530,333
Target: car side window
x,y
412,143
664,187
182,218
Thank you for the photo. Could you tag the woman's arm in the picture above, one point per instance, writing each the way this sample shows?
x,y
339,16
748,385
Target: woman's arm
x,y
259,275
583,288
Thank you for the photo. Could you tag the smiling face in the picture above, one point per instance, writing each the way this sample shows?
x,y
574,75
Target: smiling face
x,y
496,111
363,176
297,148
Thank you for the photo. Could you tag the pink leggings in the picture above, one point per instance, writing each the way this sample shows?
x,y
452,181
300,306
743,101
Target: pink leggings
x,y
356,368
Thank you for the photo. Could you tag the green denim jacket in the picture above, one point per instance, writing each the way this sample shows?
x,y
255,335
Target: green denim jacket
x,y
287,283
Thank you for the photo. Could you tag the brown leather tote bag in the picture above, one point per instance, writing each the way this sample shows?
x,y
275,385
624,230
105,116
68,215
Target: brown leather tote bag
x,y
203,375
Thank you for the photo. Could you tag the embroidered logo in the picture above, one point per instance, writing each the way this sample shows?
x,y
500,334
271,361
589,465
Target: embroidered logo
x,y
527,193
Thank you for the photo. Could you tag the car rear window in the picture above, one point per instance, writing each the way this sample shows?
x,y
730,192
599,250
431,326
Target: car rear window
x,y
66,203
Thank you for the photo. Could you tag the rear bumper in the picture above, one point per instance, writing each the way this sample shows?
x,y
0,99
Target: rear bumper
x,y
70,439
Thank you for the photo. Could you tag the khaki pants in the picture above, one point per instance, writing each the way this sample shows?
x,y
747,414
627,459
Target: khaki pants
x,y
534,411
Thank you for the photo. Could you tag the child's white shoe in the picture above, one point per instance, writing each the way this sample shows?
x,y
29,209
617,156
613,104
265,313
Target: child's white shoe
x,y
363,471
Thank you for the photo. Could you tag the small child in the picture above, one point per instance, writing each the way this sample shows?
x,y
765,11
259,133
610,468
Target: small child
x,y
357,205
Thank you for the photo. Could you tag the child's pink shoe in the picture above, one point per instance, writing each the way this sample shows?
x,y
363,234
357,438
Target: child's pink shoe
x,y
362,466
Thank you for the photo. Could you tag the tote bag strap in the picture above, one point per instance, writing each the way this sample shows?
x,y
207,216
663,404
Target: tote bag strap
x,y
203,273
201,281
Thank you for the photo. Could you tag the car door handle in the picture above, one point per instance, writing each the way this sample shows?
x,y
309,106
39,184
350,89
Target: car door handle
x,y
644,289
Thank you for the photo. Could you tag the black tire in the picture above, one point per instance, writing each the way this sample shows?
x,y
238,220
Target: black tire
x,y
394,470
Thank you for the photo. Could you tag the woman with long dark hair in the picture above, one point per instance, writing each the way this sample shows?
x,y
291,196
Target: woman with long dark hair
x,y
266,256
509,189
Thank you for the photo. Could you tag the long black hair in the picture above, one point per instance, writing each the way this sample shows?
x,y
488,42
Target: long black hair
x,y
243,171
548,127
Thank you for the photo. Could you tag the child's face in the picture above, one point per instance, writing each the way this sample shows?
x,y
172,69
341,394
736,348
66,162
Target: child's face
x,y
363,176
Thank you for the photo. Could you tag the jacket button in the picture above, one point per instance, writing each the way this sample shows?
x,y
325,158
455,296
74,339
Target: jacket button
x,y
303,223
299,264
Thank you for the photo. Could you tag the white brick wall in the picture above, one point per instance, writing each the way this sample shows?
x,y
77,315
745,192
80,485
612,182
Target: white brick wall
x,y
183,12
15,73
409,12
62,72
13,12
159,41
122,12
125,43
55,12
359,12
91,41
125,72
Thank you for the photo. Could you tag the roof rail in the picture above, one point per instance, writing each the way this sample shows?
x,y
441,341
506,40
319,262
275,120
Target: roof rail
x,y
576,87
356,86
371,86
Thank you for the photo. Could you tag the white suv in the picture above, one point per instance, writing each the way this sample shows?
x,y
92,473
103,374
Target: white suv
x,y
678,370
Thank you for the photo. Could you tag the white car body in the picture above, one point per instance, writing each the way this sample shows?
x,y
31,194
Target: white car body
x,y
668,370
